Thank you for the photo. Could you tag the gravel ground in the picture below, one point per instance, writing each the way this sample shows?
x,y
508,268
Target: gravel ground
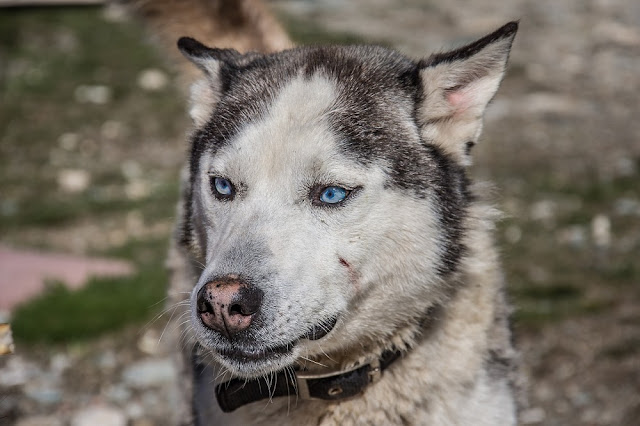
x,y
566,117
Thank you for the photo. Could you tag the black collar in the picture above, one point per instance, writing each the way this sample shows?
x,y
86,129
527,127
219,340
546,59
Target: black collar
x,y
237,392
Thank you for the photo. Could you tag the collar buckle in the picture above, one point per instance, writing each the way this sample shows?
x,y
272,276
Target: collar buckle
x,y
303,378
374,373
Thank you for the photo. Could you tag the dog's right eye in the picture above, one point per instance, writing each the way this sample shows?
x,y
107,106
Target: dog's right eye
x,y
222,188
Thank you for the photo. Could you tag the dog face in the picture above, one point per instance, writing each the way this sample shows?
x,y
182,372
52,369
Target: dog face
x,y
327,193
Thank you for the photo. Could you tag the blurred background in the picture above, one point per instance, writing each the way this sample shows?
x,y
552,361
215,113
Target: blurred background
x,y
92,130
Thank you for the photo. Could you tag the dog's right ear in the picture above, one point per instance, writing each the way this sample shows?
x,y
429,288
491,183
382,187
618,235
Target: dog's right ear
x,y
205,93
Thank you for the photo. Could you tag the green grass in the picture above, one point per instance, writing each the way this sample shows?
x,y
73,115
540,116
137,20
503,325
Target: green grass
x,y
60,315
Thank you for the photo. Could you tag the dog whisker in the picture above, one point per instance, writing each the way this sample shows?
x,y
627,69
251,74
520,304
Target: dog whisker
x,y
314,362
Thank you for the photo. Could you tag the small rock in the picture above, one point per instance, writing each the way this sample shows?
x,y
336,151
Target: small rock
x,y
107,360
574,236
137,190
580,398
627,207
66,41
99,415
562,406
625,167
112,129
601,231
513,234
44,391
114,12
39,421
93,94
617,33
134,410
148,373
152,80
543,210
17,372
119,394
532,416
131,169
537,274
59,363
68,141
589,415
117,237
9,207
149,343
73,180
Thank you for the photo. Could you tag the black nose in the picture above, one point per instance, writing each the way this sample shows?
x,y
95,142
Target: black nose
x,y
228,305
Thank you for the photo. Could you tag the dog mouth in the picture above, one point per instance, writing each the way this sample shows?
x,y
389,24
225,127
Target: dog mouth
x,y
255,354
244,354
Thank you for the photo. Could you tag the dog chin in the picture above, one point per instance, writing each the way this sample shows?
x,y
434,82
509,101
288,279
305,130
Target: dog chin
x,y
250,363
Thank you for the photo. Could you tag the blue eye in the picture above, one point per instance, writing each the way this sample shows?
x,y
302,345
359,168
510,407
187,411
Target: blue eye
x,y
333,195
223,188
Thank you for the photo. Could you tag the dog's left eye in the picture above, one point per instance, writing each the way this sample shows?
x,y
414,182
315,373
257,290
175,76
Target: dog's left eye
x,y
333,195
222,188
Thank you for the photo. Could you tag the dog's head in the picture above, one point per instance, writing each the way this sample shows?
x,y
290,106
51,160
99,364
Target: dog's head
x,y
327,193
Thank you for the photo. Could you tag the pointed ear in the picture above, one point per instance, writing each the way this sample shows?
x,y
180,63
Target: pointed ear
x,y
457,86
206,92
208,59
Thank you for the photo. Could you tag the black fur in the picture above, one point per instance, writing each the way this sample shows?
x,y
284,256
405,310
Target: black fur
x,y
468,147
464,52
498,365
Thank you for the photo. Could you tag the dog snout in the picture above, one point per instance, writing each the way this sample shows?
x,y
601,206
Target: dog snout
x,y
228,305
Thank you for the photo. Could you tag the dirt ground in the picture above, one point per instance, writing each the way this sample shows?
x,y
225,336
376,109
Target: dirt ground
x,y
561,144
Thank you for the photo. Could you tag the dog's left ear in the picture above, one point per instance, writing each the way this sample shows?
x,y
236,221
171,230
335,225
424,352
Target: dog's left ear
x,y
456,88
208,59
217,65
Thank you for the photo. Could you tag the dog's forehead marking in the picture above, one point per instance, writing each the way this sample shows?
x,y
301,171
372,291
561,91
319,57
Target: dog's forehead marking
x,y
292,136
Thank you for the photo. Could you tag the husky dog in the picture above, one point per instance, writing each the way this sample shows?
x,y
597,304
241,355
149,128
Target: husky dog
x,y
339,265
